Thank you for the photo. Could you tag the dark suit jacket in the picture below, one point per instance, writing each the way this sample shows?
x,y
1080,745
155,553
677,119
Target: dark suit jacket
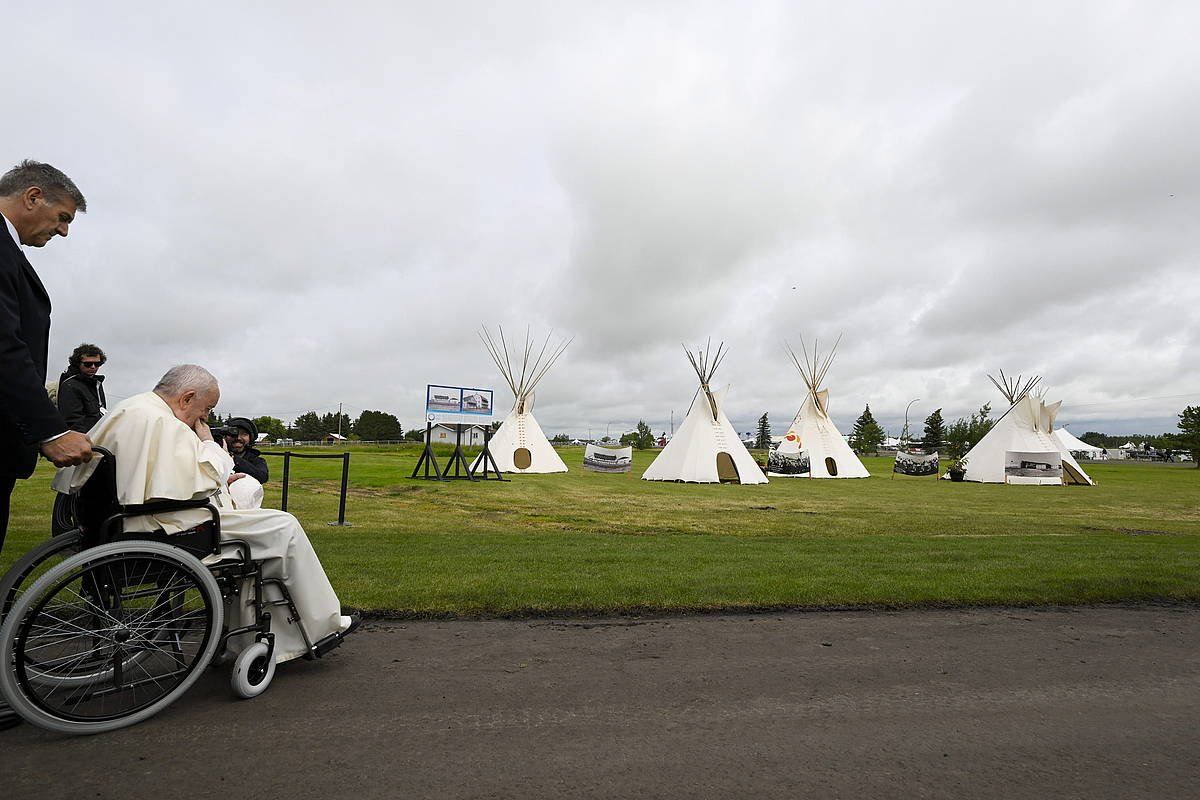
x,y
27,417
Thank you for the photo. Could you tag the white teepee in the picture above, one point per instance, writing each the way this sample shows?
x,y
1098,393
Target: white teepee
x,y
1068,442
813,432
520,445
1021,447
706,448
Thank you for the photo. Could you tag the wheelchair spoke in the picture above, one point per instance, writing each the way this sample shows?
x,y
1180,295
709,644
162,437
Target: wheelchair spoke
x,y
68,624
41,664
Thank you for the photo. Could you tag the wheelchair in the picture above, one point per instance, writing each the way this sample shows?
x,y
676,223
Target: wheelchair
x,y
103,628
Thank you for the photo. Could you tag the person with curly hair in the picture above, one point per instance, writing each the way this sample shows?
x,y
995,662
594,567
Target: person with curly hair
x,y
81,388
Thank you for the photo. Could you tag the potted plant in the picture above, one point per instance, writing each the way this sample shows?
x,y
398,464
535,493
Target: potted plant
x,y
958,470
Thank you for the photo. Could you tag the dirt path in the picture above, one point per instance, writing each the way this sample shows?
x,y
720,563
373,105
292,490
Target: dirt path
x,y
1089,703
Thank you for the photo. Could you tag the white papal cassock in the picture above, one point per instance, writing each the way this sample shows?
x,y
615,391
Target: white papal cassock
x,y
160,458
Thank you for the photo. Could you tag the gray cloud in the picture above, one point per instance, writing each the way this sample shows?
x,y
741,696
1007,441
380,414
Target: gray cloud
x,y
323,204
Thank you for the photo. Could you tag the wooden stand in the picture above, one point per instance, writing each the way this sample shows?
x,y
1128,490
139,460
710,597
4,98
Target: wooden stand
x,y
428,459
462,470
486,460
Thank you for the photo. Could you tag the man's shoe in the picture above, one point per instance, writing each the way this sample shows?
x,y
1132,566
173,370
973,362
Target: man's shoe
x,y
8,717
355,623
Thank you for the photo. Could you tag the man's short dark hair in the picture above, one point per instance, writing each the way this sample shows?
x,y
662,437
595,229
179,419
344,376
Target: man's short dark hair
x,y
84,350
53,183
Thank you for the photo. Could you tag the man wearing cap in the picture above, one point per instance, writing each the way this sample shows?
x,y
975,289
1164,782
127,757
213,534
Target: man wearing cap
x,y
247,460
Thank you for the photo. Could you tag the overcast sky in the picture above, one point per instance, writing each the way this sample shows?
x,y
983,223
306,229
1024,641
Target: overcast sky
x,y
322,203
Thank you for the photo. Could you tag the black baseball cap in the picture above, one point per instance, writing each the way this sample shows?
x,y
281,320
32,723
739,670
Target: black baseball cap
x,y
246,425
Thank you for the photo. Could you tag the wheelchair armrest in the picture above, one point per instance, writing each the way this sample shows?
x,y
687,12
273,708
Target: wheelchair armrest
x,y
162,506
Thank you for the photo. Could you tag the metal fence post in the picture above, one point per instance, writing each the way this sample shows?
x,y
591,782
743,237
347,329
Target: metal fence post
x,y
287,463
341,520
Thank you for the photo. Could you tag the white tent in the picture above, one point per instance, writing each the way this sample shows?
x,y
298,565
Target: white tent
x,y
813,433
520,445
705,448
1072,445
1021,447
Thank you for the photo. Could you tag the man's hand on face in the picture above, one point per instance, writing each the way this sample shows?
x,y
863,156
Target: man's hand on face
x,y
237,476
68,450
203,431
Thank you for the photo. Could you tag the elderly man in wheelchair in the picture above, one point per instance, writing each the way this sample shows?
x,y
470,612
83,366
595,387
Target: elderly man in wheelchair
x,y
110,622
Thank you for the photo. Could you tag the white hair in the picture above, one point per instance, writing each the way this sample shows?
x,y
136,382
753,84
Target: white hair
x,y
183,378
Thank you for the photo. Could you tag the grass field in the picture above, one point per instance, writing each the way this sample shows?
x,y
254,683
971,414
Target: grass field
x,y
588,542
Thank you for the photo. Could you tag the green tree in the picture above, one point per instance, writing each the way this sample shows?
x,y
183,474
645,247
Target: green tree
x,y
560,438
415,435
272,427
966,432
934,438
308,427
1189,437
867,435
645,437
329,424
762,441
378,426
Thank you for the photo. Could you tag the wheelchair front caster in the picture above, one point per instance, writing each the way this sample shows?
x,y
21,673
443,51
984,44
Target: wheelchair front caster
x,y
253,670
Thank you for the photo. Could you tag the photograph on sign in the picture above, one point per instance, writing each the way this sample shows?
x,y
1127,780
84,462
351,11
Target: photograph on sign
x,y
477,402
787,464
1032,465
446,399
915,463
607,459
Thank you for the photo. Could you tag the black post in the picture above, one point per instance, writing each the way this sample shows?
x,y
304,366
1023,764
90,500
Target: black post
x,y
341,520
485,458
462,470
287,464
427,458
457,457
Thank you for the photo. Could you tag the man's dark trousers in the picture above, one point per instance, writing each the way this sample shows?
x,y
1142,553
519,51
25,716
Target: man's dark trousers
x,y
27,417
8,717
6,487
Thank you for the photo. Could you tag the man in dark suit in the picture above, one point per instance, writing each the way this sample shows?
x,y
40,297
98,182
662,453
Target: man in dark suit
x,y
37,203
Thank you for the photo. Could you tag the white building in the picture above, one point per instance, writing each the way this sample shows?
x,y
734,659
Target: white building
x,y
472,435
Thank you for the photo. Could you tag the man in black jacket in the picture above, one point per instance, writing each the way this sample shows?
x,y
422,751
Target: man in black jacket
x,y
37,203
81,388
246,459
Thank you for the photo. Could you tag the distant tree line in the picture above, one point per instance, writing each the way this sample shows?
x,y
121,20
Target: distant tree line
x,y
953,440
371,426
1188,437
867,435
1162,441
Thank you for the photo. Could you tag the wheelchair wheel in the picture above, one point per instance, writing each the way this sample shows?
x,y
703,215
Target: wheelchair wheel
x,y
109,637
253,671
62,519
33,565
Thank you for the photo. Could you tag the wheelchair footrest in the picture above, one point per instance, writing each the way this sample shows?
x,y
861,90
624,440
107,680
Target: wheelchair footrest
x,y
325,645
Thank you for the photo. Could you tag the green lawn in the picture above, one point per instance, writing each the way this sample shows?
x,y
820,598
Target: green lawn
x,y
584,541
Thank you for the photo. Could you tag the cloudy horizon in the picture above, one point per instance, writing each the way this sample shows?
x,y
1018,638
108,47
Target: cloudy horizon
x,y
323,204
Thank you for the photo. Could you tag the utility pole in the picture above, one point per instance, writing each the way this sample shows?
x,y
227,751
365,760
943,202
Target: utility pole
x,y
339,419
904,434
672,422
